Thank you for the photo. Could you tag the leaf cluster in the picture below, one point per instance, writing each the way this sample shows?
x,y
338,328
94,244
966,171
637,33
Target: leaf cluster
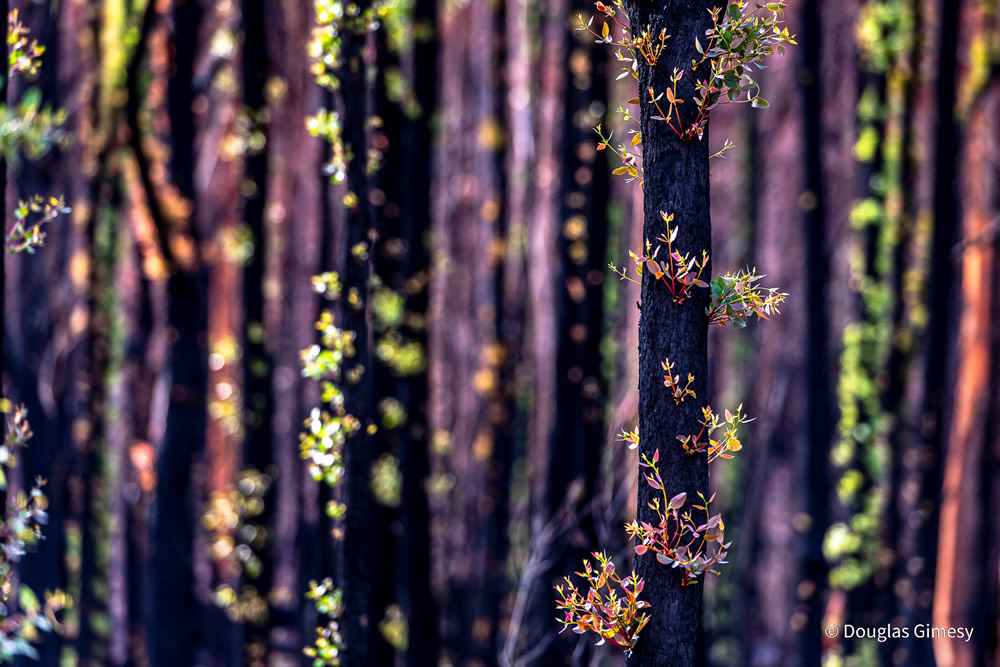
x,y
610,607
736,297
673,383
237,538
321,444
710,423
328,644
678,272
679,539
23,55
21,530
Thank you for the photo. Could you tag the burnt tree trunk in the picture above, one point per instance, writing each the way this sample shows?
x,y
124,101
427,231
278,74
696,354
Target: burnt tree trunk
x,y
676,182
360,627
941,334
172,632
820,428
258,443
417,598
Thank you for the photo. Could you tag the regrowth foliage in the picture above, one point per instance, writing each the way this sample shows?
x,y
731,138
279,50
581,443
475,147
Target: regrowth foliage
x,y
684,537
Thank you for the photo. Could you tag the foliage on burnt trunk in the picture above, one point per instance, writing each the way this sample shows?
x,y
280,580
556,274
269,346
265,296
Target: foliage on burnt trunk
x,y
677,183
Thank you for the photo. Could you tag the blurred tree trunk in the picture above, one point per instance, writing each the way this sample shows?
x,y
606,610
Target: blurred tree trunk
x,y
779,443
474,299
578,433
959,594
218,179
358,563
990,471
818,401
941,339
413,203
676,182
148,340
175,612
257,51
891,574
860,413
294,209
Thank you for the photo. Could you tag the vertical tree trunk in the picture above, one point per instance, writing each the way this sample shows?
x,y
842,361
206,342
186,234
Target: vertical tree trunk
x,y
258,404
818,403
940,330
958,598
172,622
417,598
356,562
990,471
676,182
578,434
900,436
402,261
388,253
294,211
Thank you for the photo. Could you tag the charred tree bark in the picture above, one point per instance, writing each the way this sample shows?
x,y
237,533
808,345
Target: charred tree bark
x,y
171,630
418,599
258,366
818,402
388,253
940,331
676,182
357,564
408,198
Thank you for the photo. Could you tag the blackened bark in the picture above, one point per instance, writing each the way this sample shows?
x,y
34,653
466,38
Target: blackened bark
x,y
818,402
356,564
940,331
388,253
402,262
676,182
507,329
171,628
257,373
172,631
416,597
256,70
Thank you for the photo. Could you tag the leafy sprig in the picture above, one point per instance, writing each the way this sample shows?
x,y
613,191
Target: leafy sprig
x,y
610,607
328,644
679,539
26,235
678,272
673,383
710,423
23,55
21,530
737,297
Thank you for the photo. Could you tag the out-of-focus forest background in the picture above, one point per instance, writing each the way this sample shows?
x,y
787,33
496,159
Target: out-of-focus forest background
x,y
156,339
